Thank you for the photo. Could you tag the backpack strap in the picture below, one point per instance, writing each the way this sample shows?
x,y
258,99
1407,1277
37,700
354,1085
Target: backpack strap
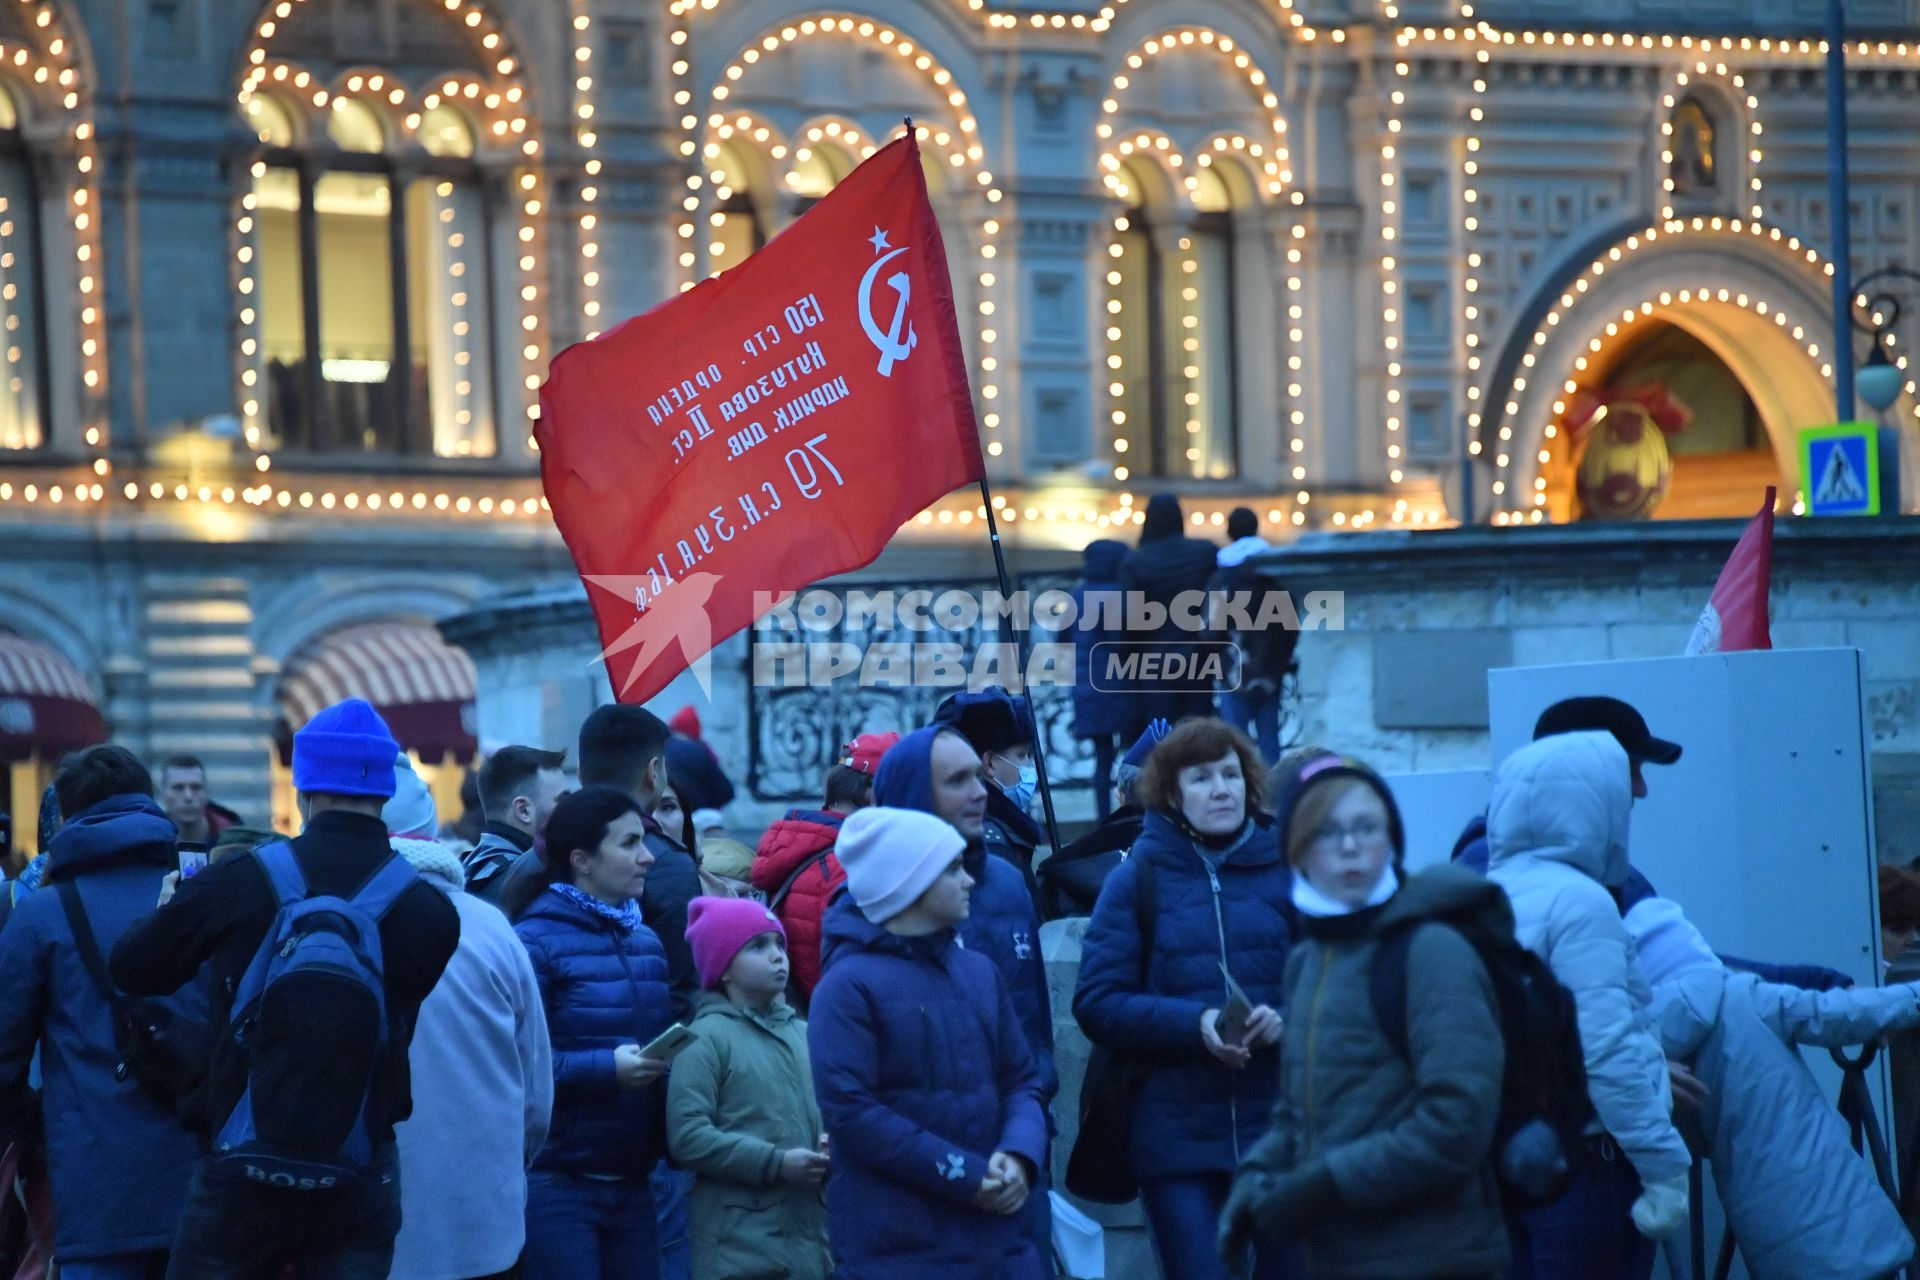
x,y
282,869
1387,985
384,887
786,886
86,944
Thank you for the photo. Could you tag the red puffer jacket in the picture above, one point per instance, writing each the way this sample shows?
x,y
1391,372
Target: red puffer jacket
x,y
789,845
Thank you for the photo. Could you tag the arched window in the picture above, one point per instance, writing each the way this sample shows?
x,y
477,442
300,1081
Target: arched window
x,y
817,169
23,373
1172,339
738,230
375,295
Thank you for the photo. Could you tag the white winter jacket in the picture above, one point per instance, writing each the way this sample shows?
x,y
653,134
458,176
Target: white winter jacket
x,y
1557,831
1801,1202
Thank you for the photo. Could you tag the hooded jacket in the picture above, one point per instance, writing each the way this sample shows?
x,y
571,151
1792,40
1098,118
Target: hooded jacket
x,y
922,1073
1166,564
487,863
1191,1114
1557,831
1100,709
787,846
1801,1202
1405,1137
119,1162
740,1098
1001,924
481,1052
601,986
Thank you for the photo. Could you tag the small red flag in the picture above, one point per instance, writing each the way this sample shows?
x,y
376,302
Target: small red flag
x,y
766,429
1736,614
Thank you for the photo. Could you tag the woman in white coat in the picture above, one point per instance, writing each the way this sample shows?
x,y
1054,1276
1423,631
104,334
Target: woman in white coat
x,y
1800,1200
1557,828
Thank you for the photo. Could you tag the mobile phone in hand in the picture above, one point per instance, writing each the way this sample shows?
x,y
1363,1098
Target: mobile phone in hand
x,y
669,1044
193,859
1232,1024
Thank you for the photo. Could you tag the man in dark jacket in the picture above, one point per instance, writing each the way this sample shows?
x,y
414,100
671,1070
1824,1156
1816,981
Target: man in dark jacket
x,y
1171,570
343,772
118,1159
518,788
999,726
934,771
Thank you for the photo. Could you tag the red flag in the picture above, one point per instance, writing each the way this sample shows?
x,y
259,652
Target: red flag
x,y
766,429
1736,614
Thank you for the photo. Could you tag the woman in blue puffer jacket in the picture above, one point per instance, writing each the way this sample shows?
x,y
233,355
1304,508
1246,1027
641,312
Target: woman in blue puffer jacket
x,y
1208,863
603,982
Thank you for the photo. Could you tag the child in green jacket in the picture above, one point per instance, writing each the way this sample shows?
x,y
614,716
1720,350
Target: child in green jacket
x,y
740,1106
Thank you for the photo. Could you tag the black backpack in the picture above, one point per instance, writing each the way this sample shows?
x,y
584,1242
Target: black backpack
x,y
1544,1106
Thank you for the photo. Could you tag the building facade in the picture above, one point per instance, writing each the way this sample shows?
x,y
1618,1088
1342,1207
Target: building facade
x,y
279,283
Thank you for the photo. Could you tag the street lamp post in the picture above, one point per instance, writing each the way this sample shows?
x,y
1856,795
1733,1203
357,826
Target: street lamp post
x,y
1880,381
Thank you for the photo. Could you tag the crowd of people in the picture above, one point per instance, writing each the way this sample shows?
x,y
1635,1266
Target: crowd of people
x,y
605,1040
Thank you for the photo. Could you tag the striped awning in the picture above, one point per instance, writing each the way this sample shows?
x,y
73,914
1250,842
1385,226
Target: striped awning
x,y
422,686
46,705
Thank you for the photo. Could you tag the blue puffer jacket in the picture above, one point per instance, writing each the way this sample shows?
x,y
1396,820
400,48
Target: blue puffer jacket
x,y
1001,923
1109,708
1192,1113
922,1074
119,1162
602,987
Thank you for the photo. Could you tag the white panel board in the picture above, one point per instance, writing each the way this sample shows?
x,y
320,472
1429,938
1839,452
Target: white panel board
x,y
1435,809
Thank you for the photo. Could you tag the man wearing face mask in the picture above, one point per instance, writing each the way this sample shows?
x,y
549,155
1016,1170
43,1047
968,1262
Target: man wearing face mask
x,y
999,726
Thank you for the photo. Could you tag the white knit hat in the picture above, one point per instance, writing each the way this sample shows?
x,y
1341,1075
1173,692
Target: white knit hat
x,y
411,811
892,856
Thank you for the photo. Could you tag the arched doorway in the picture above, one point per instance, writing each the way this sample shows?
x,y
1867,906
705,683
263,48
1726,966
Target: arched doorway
x,y
1711,335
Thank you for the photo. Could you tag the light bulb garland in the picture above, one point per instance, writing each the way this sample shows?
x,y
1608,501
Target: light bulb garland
x,y
964,151
1392,326
1735,86
1470,280
586,135
1604,330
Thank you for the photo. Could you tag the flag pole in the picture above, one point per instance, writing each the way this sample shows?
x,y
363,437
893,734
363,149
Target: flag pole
x,y
1020,645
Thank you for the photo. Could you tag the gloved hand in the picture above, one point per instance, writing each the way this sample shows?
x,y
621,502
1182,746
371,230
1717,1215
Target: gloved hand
x,y
1272,1204
1661,1209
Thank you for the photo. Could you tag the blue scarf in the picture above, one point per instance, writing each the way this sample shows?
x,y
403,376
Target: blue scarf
x,y
626,915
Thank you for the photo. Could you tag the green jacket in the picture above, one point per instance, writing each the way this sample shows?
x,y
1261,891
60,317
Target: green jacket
x,y
1406,1144
739,1098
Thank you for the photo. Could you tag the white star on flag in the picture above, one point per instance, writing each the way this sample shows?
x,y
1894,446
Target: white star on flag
x,y
879,241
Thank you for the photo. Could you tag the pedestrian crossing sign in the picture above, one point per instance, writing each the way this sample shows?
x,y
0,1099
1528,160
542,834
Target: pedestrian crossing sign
x,y
1840,469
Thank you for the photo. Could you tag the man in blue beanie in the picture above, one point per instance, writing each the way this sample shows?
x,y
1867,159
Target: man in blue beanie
x,y
935,771
343,773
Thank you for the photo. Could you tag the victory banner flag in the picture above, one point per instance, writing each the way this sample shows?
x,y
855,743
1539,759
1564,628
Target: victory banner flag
x,y
768,428
1736,614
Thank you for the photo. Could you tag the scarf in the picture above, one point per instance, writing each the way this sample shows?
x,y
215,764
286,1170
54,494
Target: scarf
x,y
1311,902
626,915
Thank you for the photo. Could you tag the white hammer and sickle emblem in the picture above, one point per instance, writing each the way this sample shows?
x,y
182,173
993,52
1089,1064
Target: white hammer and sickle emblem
x,y
892,347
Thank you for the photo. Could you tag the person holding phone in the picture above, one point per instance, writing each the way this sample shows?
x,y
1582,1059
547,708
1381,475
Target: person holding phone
x,y
1199,908
602,975
1378,1159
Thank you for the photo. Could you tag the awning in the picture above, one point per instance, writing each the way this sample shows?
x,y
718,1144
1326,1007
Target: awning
x,y
46,705
422,686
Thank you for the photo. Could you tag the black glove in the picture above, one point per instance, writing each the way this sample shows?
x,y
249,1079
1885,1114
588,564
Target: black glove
x,y
1266,1205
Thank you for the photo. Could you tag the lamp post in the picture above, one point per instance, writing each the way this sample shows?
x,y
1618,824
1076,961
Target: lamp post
x,y
1880,381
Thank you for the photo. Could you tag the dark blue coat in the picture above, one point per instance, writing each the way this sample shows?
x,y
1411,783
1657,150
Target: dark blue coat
x,y
1109,709
119,1162
1001,923
602,987
1192,1114
922,1074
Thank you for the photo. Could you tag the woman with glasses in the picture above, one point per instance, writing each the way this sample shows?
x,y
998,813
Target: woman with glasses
x,y
1197,913
1377,1160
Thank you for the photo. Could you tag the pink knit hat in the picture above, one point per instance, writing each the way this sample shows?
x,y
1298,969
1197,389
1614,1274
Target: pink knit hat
x,y
718,927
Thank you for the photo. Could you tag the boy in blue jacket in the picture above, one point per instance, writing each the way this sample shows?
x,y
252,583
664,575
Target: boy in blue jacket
x,y
928,1092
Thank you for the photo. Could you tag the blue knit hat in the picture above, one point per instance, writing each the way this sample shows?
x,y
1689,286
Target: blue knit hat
x,y
1143,745
345,750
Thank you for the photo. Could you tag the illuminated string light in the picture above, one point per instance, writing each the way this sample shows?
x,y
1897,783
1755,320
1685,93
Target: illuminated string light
x,y
964,151
1391,323
586,134
1185,40
1470,238
1735,85
499,105
1602,329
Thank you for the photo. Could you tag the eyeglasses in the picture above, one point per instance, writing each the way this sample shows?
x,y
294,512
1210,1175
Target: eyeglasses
x,y
1364,832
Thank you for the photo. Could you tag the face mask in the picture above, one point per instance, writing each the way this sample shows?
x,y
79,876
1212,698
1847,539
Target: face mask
x,y
1021,792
